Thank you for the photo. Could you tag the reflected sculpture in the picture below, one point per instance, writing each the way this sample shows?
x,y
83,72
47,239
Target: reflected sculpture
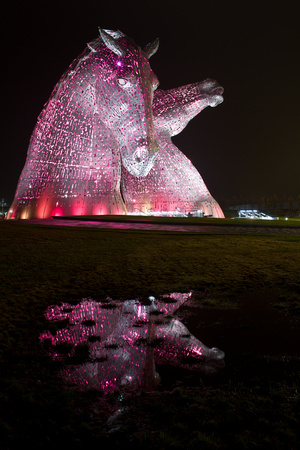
x,y
124,341
102,144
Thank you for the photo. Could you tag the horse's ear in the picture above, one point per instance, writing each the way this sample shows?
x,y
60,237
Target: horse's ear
x,y
115,34
113,44
151,48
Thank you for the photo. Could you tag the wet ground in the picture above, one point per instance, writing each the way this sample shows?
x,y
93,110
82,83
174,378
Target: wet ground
x,y
251,402
254,327
252,330
261,344
123,341
224,229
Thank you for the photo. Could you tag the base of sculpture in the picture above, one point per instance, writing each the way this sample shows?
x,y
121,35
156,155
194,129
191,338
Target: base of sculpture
x,y
48,209
173,187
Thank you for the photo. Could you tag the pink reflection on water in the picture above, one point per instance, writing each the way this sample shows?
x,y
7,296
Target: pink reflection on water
x,y
123,340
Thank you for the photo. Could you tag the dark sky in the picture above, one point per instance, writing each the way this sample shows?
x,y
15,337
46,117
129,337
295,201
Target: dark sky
x,y
246,147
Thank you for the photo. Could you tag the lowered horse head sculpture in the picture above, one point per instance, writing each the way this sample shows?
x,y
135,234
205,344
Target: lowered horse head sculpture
x,y
124,95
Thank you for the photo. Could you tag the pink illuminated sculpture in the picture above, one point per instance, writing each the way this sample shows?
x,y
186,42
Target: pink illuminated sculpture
x,y
125,341
102,144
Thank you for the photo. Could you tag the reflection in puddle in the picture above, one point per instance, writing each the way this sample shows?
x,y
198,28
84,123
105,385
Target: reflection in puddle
x,y
123,340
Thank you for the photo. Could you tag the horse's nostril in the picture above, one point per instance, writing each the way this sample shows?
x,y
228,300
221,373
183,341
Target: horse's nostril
x,y
219,91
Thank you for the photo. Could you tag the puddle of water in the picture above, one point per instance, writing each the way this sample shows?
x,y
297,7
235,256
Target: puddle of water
x,y
121,342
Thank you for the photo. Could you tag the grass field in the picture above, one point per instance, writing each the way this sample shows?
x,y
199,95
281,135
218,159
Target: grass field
x,y
253,403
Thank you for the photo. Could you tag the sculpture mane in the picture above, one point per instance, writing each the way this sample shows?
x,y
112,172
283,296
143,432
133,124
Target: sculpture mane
x,y
102,144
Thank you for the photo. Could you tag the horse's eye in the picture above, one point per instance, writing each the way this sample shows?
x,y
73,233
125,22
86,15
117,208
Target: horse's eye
x,y
123,83
154,81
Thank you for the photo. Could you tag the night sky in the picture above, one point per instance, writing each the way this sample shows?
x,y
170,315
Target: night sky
x,y
247,147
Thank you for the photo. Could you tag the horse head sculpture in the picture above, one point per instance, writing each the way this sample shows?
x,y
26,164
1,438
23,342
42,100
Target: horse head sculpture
x,y
124,95
102,144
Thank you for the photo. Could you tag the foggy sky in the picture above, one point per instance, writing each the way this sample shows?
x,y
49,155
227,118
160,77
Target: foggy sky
x,y
246,147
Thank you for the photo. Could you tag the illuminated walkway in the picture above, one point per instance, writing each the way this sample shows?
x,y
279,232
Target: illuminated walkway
x,y
192,228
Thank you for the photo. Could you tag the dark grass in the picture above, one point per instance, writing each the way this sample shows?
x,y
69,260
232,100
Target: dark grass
x,y
251,404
